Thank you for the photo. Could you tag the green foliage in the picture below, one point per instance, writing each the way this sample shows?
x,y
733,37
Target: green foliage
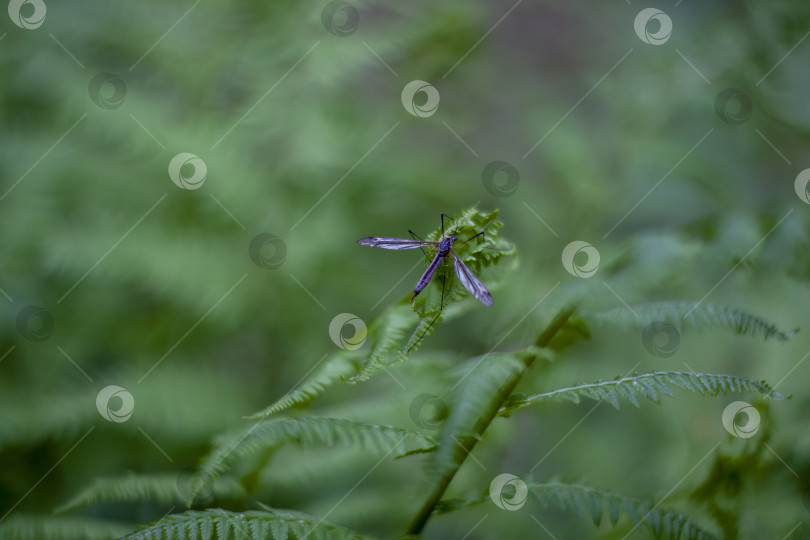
x,y
270,434
336,368
693,315
386,335
217,524
586,500
648,385
483,382
29,527
162,488
606,139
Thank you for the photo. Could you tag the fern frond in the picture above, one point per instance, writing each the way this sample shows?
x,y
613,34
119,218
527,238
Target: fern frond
x,y
307,432
481,385
583,499
336,368
33,527
163,488
269,523
693,315
648,385
386,334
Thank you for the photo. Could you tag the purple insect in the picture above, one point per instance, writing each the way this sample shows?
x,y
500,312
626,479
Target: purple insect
x,y
443,248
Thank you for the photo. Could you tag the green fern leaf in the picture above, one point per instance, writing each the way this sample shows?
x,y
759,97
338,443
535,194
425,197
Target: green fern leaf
x,y
268,524
163,488
32,527
482,382
646,384
386,334
582,499
336,368
308,432
693,315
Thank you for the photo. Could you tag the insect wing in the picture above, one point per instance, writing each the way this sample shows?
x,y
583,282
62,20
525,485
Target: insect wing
x,y
393,243
471,282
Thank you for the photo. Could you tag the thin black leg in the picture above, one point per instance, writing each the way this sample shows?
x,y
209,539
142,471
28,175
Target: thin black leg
x,y
470,238
417,237
441,309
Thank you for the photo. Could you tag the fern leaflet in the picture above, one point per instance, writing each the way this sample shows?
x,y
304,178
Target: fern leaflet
x,y
37,527
695,315
648,385
582,499
336,368
218,524
163,488
308,432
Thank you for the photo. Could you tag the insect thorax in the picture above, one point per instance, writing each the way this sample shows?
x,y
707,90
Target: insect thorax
x,y
444,246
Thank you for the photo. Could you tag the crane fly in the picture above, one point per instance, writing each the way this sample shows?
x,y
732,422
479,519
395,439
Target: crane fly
x,y
444,249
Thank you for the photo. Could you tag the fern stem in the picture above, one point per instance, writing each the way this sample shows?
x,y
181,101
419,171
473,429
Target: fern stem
x,y
467,443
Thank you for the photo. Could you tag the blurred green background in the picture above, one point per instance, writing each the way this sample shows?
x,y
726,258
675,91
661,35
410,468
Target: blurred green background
x,y
304,136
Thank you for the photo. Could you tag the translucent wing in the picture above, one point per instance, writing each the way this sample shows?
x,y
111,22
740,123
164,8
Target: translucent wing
x,y
393,243
472,283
